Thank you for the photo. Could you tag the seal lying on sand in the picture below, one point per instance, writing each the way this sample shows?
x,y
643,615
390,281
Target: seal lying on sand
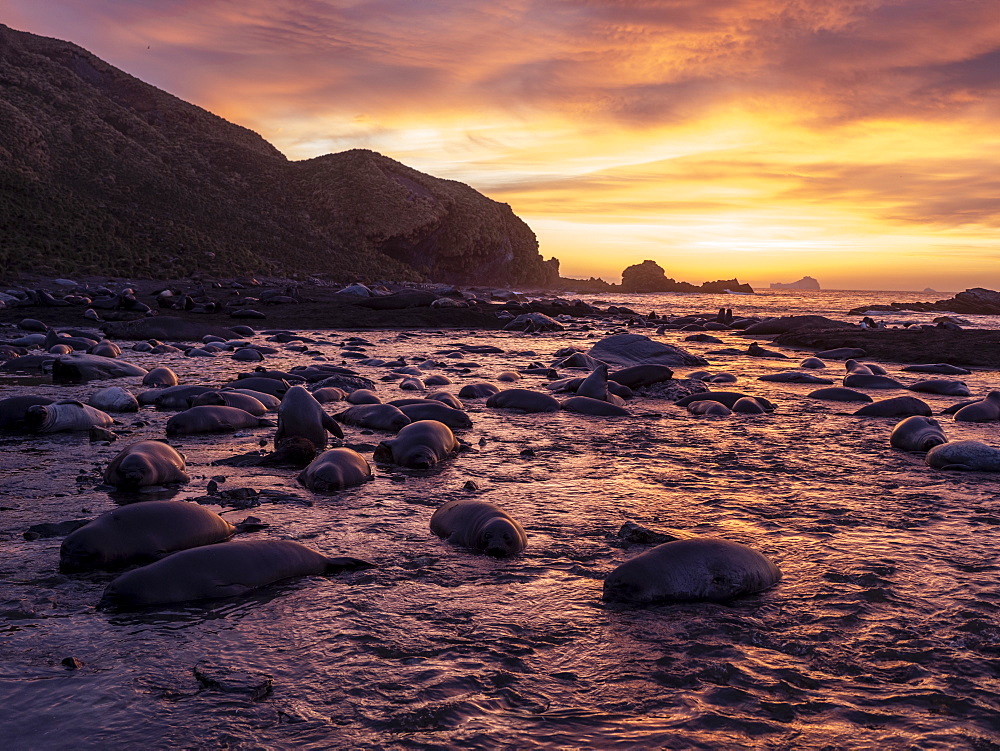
x,y
213,420
480,526
694,569
146,463
223,570
917,433
524,400
334,470
64,415
419,445
140,533
987,410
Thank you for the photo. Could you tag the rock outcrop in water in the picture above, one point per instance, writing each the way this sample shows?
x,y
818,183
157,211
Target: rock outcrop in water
x,y
974,301
806,282
100,172
648,276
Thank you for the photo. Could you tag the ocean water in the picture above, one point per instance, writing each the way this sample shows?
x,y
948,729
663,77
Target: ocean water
x,y
882,634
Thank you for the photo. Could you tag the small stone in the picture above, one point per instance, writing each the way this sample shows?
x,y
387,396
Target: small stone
x,y
218,478
527,453
212,488
471,485
72,663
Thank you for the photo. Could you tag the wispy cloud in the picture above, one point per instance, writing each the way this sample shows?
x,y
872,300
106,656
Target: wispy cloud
x,y
672,114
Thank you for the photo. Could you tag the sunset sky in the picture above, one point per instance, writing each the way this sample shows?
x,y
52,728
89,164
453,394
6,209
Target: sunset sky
x,y
857,141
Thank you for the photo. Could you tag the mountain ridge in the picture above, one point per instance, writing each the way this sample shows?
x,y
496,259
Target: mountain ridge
x,y
100,171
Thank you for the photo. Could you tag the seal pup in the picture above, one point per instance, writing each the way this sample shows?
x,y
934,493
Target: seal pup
x,y
940,386
524,400
584,405
66,415
334,470
870,381
224,570
839,394
479,526
250,404
694,569
445,398
419,445
899,406
728,398
641,375
986,410
213,419
707,407
477,390
160,376
917,433
940,368
374,417
455,419
14,409
146,463
140,533
363,396
301,416
973,456
114,399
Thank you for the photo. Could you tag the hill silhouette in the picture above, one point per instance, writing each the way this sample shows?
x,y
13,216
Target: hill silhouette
x,y
102,173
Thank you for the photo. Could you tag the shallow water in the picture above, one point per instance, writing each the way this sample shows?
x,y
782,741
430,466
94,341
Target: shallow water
x,y
882,634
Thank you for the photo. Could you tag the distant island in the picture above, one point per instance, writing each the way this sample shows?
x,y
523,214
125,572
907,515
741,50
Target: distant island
x,y
649,276
806,282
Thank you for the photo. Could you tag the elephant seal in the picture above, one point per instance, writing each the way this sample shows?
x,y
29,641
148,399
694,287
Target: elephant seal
x,y
479,526
224,570
273,386
445,398
374,417
212,419
419,445
334,470
480,390
114,399
755,350
813,363
250,404
455,419
440,380
940,368
728,398
78,368
105,348
14,409
972,456
301,416
987,410
363,396
584,405
839,394
940,386
917,433
693,569
866,381
707,407
524,400
748,406
173,397
270,402
140,533
146,463
64,416
329,394
900,406
641,375
791,376
160,376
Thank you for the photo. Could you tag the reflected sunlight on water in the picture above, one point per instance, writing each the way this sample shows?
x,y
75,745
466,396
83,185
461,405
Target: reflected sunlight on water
x,y
882,633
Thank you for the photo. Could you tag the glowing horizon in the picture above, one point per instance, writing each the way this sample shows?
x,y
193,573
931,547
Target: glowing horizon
x,y
855,142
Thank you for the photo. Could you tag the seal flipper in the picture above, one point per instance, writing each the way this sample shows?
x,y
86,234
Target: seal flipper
x,y
332,426
957,468
334,565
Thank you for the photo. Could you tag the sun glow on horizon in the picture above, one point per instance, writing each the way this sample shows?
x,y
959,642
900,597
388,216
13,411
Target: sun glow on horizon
x,y
854,143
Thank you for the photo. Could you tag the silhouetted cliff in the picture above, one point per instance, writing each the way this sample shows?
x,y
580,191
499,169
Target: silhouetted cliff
x,y
100,172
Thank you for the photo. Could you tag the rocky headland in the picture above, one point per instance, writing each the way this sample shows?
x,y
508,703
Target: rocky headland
x,y
101,173
649,276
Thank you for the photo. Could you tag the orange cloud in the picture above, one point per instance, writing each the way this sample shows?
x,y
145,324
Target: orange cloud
x,y
759,134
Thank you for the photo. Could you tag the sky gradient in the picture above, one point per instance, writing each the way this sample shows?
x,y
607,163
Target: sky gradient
x,y
857,141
